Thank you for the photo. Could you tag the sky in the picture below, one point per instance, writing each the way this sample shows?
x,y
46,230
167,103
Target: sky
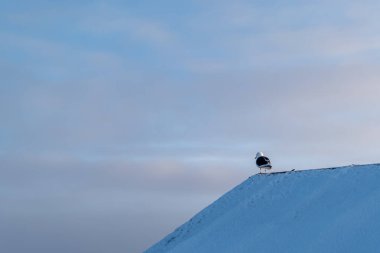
x,y
122,119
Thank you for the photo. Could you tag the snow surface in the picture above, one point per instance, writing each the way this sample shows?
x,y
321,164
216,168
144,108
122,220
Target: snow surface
x,y
325,210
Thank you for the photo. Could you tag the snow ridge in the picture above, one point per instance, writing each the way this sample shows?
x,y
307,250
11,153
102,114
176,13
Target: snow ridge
x,y
323,210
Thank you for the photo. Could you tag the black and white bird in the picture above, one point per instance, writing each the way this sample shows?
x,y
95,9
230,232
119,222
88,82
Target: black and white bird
x,y
262,161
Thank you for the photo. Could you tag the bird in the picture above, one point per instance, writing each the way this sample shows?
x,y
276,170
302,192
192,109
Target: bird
x,y
263,162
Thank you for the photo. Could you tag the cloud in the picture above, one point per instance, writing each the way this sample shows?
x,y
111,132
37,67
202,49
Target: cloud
x,y
92,119
82,205
258,35
105,20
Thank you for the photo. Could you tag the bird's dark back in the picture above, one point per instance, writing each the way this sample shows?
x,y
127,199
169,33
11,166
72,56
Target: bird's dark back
x,y
262,160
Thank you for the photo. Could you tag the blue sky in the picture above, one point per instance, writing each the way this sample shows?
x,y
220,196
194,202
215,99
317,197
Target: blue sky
x,y
121,119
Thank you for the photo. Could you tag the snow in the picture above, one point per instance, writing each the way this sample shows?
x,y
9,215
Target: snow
x,y
324,210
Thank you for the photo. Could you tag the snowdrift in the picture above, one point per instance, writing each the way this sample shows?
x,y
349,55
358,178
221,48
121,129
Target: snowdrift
x,y
324,210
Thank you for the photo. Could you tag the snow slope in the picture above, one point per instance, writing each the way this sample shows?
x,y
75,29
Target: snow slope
x,y
325,210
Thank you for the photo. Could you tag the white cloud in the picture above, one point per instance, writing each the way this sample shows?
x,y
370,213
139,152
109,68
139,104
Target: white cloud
x,y
105,20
